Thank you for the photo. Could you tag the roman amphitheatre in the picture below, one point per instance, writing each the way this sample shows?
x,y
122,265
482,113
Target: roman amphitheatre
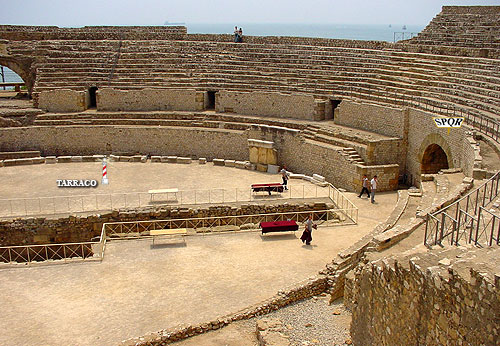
x,y
185,124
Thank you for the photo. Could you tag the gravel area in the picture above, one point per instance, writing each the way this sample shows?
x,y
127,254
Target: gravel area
x,y
316,323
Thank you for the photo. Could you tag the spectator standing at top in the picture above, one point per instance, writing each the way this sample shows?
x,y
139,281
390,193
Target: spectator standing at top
x,y
373,184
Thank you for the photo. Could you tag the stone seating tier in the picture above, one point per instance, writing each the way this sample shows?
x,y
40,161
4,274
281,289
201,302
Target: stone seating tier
x,y
477,27
309,70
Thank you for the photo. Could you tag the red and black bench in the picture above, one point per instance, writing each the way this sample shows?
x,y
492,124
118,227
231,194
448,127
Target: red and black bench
x,y
279,226
272,187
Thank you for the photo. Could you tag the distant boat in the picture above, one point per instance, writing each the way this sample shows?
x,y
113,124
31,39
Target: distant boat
x,y
404,27
390,26
173,23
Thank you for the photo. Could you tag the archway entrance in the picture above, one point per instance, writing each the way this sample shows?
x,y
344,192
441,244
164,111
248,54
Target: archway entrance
x,y
433,160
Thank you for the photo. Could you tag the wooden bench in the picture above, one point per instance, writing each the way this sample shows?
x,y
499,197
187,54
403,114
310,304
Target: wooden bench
x,y
167,191
174,232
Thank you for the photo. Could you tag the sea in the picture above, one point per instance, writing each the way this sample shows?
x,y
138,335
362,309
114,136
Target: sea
x,y
377,32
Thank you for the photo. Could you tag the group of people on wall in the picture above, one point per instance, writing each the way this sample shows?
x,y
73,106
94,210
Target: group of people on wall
x,y
238,35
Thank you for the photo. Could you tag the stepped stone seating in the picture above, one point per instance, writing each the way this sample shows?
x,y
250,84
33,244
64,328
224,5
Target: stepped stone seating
x,y
372,75
471,26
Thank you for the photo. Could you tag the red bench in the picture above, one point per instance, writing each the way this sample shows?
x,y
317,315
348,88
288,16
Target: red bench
x,y
276,187
279,226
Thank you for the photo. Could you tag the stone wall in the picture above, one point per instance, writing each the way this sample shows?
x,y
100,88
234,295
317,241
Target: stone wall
x,y
109,99
268,104
449,297
379,119
90,140
422,131
310,157
63,100
36,231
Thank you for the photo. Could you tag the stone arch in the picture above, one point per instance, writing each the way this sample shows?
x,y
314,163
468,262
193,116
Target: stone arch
x,y
434,154
23,69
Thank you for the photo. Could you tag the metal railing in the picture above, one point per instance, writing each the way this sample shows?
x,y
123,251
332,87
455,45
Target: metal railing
x,y
466,220
345,213
84,251
403,35
135,229
108,202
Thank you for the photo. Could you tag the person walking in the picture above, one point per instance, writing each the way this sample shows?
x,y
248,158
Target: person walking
x,y
364,187
307,234
373,184
285,176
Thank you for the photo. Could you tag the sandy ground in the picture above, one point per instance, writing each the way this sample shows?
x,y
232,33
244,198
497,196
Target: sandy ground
x,y
139,288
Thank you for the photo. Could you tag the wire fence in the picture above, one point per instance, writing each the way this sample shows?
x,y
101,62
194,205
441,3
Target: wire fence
x,y
83,251
345,212
57,205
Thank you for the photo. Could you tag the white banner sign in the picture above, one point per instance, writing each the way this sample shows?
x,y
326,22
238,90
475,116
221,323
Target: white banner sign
x,y
451,122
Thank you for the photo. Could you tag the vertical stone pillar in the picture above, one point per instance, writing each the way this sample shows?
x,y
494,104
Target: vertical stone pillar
x,y
263,155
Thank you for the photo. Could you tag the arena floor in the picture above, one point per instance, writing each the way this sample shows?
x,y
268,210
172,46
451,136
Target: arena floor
x,y
139,288
30,190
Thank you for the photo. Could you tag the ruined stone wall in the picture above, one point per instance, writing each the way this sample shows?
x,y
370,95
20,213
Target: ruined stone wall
x,y
436,298
109,99
83,228
89,140
267,104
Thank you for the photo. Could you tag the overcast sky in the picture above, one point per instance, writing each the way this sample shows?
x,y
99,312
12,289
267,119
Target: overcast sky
x,y
73,13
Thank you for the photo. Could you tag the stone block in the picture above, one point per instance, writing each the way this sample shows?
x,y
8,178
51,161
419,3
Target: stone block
x,y
229,163
1,163
88,158
98,157
262,156
50,159
76,159
273,169
272,157
155,158
260,144
136,158
171,159
38,160
202,160
252,167
261,167
479,174
318,177
218,162
240,164
183,160
114,158
308,178
296,176
254,154
124,159
24,161
144,159
63,159
164,159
